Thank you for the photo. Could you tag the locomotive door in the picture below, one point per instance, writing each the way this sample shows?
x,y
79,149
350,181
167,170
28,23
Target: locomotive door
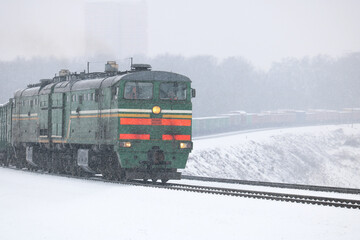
x,y
16,128
103,98
101,127
44,117
57,114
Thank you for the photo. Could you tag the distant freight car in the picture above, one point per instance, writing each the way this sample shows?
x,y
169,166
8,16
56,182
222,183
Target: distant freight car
x,y
239,120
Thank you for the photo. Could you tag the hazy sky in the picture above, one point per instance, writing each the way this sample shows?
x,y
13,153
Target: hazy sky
x,y
261,31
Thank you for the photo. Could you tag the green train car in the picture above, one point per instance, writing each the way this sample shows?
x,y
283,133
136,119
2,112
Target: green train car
x,y
124,125
5,132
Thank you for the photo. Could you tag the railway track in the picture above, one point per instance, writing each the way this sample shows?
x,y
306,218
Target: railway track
x,y
285,197
276,185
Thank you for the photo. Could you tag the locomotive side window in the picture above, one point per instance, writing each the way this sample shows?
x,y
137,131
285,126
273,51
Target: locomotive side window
x,y
138,90
173,91
114,93
43,103
97,95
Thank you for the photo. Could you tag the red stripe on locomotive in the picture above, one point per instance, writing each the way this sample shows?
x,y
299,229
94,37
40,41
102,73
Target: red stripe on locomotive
x,y
176,137
155,122
135,136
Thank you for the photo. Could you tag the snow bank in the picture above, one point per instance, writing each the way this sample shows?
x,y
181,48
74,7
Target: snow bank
x,y
320,155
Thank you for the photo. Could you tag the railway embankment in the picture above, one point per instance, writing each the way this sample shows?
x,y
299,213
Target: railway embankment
x,y
320,155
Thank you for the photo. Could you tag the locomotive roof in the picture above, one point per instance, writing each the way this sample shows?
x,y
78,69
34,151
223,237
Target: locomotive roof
x,y
18,93
110,81
30,91
46,89
95,83
156,75
86,84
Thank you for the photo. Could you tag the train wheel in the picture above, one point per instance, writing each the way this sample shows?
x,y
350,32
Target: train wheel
x,y
6,160
154,180
164,180
73,171
112,169
109,172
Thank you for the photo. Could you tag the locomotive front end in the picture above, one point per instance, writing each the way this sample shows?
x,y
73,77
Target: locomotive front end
x,y
155,113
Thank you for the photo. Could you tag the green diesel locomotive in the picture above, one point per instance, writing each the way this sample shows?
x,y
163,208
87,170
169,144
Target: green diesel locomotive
x,y
123,125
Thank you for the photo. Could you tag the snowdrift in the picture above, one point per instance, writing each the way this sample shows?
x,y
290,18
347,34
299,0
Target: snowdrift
x,y
319,155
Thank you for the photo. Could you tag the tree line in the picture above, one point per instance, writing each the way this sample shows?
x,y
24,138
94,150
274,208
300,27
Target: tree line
x,y
229,85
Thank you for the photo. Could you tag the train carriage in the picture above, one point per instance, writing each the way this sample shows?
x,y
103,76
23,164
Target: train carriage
x,y
5,131
3,141
127,125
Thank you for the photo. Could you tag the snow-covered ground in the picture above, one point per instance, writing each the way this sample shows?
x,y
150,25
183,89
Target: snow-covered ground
x,y
319,155
36,206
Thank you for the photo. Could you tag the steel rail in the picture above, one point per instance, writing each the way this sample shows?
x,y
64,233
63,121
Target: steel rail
x,y
325,201
275,184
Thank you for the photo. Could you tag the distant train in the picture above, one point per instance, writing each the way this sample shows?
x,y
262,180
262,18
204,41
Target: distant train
x,y
238,120
123,125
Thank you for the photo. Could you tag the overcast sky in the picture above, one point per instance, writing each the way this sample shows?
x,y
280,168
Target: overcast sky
x,y
261,31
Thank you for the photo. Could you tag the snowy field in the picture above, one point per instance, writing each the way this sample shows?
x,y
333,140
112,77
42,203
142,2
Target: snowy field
x,y
36,206
319,155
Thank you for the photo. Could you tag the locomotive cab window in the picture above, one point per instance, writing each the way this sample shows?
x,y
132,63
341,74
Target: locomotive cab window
x,y
138,90
173,91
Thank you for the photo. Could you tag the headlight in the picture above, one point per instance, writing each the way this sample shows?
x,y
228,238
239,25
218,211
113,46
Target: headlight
x,y
185,145
156,109
125,144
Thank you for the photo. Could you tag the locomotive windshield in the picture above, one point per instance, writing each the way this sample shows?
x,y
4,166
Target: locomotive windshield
x,y
173,91
138,90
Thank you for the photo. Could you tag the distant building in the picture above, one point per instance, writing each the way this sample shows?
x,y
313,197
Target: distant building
x,y
117,29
